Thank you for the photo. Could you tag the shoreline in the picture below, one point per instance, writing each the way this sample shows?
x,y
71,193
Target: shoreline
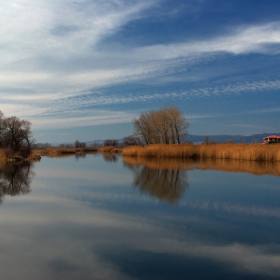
x,y
249,152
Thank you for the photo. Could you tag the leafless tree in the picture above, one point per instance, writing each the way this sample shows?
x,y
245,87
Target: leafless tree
x,y
96,145
15,133
79,144
143,127
18,132
111,142
132,141
2,129
167,125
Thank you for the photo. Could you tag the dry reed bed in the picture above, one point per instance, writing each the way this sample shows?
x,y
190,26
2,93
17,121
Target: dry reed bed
x,y
225,165
54,152
254,152
109,149
2,157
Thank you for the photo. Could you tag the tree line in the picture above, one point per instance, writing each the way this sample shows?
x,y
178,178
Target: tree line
x,y
15,134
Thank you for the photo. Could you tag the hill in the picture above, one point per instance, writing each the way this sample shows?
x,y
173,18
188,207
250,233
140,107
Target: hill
x,y
256,138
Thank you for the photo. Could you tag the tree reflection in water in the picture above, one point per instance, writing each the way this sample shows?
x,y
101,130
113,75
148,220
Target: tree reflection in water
x,y
167,184
167,178
80,155
108,157
15,179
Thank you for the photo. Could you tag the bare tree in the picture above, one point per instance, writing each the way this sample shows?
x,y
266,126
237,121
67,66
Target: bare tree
x,y
143,127
2,129
95,144
229,141
111,142
18,133
179,124
15,134
132,141
79,144
167,125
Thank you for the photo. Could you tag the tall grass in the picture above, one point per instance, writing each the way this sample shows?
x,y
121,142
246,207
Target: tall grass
x,y
62,152
109,149
254,152
8,155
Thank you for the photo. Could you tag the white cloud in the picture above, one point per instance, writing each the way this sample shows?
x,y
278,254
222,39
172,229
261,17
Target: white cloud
x,y
243,40
253,126
52,51
98,118
56,48
78,232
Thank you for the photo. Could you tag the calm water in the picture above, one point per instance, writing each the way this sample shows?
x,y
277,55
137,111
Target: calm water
x,y
101,218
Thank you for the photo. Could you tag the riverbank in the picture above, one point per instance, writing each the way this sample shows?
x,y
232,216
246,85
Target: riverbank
x,y
58,152
253,152
16,158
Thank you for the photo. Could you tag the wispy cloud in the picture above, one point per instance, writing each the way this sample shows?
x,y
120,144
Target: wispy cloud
x,y
253,126
73,120
224,90
63,52
246,39
76,110
55,57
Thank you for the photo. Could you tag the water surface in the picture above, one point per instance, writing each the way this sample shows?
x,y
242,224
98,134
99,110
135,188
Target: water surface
x,y
101,217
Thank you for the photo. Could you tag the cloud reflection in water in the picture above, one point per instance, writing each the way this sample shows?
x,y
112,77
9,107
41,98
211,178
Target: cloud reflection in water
x,y
81,222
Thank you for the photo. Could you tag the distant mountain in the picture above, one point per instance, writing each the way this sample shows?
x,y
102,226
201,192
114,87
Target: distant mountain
x,y
224,138
89,143
201,138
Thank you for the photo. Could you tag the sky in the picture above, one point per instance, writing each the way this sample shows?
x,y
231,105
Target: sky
x,y
83,69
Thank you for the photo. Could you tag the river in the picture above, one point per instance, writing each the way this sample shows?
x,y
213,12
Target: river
x,y
104,217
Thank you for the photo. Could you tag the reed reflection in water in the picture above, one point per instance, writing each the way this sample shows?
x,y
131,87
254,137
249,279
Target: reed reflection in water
x,y
226,165
15,179
158,178
252,167
109,157
167,178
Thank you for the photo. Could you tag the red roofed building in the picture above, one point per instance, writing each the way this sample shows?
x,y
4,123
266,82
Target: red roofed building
x,y
271,139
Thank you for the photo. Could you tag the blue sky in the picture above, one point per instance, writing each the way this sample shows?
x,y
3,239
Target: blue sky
x,y
83,69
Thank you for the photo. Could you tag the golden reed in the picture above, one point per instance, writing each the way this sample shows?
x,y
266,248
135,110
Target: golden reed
x,y
64,152
226,165
252,152
109,149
